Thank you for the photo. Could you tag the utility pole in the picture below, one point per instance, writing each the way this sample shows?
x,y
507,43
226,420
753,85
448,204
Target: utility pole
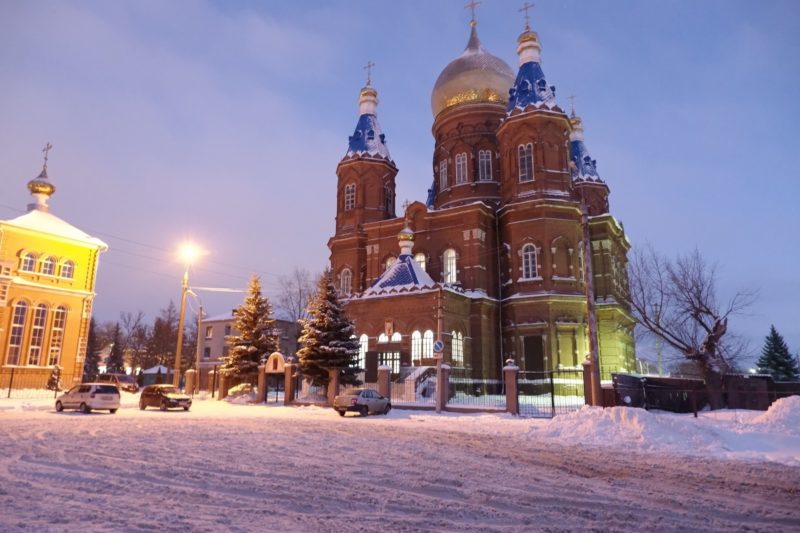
x,y
199,326
176,376
588,275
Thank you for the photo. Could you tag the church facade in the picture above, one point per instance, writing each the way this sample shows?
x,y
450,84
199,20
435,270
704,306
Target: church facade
x,y
492,264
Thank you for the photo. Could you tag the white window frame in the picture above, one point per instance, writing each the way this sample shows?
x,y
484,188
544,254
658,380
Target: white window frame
x,y
49,266
457,348
345,282
67,270
427,344
349,196
421,260
416,346
442,174
530,259
396,337
28,263
525,162
37,335
17,333
461,168
383,337
450,264
57,334
485,165
363,346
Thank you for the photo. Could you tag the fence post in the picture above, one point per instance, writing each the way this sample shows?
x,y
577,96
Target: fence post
x,y
510,379
384,389
10,382
214,382
333,384
442,386
552,395
190,381
262,384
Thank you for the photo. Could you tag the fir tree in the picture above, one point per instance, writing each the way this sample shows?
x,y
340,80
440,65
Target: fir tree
x,y
92,354
776,360
116,361
257,337
328,339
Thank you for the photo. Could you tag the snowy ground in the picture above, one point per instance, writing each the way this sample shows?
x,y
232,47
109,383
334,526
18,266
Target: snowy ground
x,y
231,467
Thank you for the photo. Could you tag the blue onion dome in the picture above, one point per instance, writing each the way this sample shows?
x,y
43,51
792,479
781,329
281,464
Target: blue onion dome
x,y
530,87
476,76
582,167
368,139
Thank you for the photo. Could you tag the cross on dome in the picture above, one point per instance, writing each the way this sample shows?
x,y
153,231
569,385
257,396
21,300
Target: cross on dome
x,y
526,7
46,152
368,68
472,4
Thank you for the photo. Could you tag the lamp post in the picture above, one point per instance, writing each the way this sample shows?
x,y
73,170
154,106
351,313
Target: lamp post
x,y
188,253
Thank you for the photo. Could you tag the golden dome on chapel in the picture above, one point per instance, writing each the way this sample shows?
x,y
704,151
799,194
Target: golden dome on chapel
x,y
474,76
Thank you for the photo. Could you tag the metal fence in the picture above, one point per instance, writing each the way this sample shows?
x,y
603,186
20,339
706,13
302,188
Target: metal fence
x,y
467,391
550,393
22,382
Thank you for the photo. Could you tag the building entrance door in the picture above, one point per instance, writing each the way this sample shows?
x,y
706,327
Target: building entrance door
x,y
534,354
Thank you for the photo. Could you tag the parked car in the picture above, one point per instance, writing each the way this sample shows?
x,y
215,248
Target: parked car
x,y
123,381
363,401
88,396
163,397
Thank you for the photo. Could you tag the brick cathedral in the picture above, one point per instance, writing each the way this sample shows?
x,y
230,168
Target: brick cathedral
x,y
492,263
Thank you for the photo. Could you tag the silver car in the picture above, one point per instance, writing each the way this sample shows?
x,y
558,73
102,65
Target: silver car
x,y
88,396
363,401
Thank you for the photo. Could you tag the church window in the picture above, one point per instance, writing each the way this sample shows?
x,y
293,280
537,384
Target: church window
x,y
458,348
525,162
396,337
37,334
57,334
390,359
420,259
427,344
363,346
561,259
390,261
68,270
450,266
350,197
28,263
345,280
416,347
485,165
388,199
529,263
443,174
49,266
461,168
383,337
15,335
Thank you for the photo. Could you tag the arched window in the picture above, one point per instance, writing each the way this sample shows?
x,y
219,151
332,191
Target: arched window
x,y
389,262
37,335
68,269
443,174
396,337
363,346
57,335
28,263
525,156
427,344
420,259
458,348
388,200
16,334
345,282
485,165
383,337
530,268
450,264
461,168
49,266
349,196
416,347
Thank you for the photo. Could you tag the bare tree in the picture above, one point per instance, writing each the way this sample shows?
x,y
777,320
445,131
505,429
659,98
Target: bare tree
x,y
135,332
295,293
677,302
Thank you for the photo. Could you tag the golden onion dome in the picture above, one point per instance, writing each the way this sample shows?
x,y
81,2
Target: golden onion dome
x,y
41,185
406,234
474,76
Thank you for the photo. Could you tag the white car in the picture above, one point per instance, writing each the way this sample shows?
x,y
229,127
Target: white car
x,y
88,396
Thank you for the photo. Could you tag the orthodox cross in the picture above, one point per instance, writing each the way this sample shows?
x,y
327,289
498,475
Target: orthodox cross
x,y
472,4
405,205
571,99
46,152
368,68
525,7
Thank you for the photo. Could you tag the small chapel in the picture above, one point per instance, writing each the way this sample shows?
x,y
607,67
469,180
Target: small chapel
x,y
492,263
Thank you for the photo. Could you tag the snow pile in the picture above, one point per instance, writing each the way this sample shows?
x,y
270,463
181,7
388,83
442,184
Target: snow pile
x,y
626,427
242,394
783,417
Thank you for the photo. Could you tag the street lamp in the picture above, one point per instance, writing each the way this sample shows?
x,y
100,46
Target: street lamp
x,y
188,252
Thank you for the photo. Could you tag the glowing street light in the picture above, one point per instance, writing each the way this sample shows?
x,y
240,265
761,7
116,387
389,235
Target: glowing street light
x,y
188,252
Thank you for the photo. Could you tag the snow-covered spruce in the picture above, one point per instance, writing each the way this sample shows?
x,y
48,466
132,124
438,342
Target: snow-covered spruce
x,y
256,337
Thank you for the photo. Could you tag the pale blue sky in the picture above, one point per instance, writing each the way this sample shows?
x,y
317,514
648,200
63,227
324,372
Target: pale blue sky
x,y
223,122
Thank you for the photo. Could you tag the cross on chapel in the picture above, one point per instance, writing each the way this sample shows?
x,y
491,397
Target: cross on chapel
x,y
472,4
46,152
368,68
526,7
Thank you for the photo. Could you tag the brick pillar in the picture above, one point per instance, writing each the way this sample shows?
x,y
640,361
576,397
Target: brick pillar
x,y
333,384
384,387
223,387
442,386
288,383
510,376
262,384
587,381
190,381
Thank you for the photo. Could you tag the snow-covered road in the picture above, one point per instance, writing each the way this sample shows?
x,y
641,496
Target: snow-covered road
x,y
224,467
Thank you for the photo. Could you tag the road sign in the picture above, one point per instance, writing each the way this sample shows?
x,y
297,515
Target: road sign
x,y
438,346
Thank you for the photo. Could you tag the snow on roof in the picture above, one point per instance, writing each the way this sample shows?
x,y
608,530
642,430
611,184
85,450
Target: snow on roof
x,y
404,275
583,167
45,222
220,317
530,88
368,138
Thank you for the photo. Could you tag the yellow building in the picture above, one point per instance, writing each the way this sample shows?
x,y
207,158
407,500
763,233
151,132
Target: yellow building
x,y
47,277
